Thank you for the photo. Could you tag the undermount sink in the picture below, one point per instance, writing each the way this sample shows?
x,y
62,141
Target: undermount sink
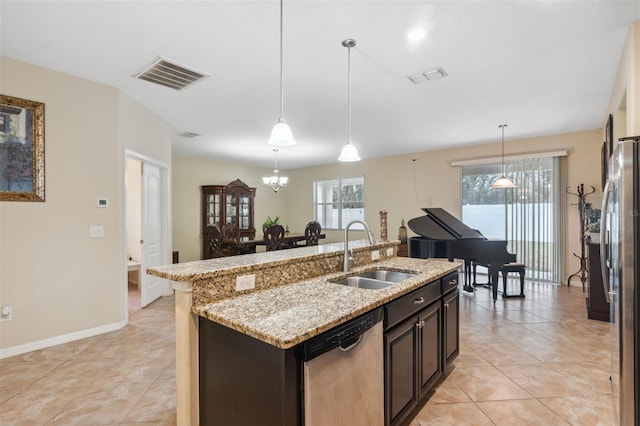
x,y
387,275
376,279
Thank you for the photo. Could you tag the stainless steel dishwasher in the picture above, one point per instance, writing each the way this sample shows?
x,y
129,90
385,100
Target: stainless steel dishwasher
x,y
344,374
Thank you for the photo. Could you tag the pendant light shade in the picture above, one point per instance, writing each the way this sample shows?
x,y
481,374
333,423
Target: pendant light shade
x,y
281,134
503,182
349,151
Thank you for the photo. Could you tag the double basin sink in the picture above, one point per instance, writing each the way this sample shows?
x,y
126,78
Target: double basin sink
x,y
375,279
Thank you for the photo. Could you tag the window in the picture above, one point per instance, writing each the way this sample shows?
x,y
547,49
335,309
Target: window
x,y
339,201
528,216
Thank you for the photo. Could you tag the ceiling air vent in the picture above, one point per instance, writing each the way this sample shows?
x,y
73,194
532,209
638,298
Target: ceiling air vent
x,y
431,74
169,74
188,134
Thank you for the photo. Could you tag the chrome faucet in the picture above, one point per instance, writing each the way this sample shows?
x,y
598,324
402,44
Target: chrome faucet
x,y
348,258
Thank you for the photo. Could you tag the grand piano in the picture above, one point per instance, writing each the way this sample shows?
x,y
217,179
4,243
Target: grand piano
x,y
441,235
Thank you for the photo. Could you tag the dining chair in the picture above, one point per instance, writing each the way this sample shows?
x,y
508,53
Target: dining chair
x,y
273,237
230,236
213,242
312,233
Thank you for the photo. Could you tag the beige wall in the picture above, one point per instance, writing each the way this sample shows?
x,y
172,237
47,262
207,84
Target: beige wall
x,y
134,209
390,184
624,104
189,174
62,284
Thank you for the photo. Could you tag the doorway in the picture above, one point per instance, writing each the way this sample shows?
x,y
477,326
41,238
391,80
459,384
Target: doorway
x,y
134,234
146,229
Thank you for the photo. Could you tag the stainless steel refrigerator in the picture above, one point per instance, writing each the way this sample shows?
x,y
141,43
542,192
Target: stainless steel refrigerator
x,y
619,240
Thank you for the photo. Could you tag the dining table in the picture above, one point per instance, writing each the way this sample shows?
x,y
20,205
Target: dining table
x,y
290,240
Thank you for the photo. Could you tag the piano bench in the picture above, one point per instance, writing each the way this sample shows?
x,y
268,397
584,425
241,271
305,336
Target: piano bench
x,y
505,270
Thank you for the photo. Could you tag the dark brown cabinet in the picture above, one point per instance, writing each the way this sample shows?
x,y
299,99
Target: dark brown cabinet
x,y
413,350
597,305
260,384
451,333
232,203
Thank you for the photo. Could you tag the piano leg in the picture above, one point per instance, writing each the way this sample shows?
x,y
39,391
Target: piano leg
x,y
493,277
467,276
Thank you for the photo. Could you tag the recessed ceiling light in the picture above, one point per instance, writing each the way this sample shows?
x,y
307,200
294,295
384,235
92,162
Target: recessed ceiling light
x,y
416,34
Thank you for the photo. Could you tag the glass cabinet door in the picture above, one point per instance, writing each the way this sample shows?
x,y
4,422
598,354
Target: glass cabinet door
x,y
243,216
213,209
231,212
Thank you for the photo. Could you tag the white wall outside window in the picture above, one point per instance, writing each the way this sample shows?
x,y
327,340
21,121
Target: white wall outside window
x,y
339,201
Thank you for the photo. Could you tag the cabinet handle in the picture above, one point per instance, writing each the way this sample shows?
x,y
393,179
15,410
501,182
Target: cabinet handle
x,y
420,324
418,301
446,306
453,282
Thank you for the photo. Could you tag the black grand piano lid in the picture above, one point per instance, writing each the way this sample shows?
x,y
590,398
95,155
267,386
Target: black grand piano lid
x,y
438,224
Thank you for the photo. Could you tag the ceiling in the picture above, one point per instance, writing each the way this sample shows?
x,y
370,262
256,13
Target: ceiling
x,y
543,67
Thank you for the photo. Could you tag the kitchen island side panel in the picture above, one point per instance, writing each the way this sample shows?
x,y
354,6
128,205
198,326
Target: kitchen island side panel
x,y
244,381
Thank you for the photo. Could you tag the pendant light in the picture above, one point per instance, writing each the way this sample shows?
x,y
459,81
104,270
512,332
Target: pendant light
x,y
276,181
281,133
349,151
503,181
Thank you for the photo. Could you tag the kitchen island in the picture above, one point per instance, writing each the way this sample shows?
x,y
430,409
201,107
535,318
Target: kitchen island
x,y
281,298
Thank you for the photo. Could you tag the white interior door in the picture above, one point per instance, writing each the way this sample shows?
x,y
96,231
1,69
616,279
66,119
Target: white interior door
x,y
152,287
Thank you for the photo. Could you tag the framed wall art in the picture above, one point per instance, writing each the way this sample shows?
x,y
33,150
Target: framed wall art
x,y
608,134
21,149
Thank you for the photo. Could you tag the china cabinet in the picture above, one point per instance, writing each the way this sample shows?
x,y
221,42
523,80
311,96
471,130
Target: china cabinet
x,y
232,203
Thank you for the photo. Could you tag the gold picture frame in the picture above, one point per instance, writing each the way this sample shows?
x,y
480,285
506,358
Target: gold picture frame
x,y
21,149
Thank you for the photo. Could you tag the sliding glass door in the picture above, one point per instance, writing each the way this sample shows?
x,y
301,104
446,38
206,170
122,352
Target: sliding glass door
x,y
529,216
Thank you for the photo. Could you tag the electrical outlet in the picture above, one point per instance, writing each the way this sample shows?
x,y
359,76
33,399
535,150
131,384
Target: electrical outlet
x,y
6,314
245,282
96,231
389,251
375,255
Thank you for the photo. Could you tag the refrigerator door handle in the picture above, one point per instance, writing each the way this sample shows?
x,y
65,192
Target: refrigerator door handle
x,y
604,255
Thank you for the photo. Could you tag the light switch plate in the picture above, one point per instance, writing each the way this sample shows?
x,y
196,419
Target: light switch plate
x,y
245,282
390,251
375,255
96,231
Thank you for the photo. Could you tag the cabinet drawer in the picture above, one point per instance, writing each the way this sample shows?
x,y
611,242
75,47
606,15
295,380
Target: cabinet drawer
x,y
409,304
449,282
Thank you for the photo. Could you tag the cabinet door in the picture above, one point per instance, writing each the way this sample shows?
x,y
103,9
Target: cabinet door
x,y
243,211
231,205
430,353
401,368
451,314
211,205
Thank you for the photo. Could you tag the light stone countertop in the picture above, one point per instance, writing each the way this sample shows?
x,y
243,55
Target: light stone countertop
x,y
203,269
290,314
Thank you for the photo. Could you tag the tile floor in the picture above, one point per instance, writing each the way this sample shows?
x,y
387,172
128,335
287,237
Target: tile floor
x,y
531,361
536,361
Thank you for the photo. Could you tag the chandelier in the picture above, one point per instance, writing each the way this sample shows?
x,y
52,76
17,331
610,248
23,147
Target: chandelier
x,y
275,181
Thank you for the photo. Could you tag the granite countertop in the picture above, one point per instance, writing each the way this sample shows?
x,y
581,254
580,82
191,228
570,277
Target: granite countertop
x,y
203,269
287,315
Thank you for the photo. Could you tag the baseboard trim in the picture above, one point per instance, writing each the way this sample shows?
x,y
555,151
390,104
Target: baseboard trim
x,y
58,340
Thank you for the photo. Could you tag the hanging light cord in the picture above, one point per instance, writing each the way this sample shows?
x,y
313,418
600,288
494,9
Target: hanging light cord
x,y
275,170
349,92
281,67
504,171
